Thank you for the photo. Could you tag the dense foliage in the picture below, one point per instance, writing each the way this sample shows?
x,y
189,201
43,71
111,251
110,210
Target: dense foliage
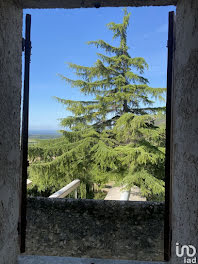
x,y
112,137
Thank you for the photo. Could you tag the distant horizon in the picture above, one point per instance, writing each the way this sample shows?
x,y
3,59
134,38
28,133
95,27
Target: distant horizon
x,y
44,131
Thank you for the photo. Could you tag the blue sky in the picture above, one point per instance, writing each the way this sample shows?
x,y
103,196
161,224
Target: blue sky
x,y
60,36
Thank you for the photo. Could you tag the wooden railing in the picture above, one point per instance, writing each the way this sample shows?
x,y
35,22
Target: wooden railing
x,y
125,194
29,182
72,186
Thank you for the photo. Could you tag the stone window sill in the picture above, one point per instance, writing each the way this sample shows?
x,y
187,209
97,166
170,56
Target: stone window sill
x,y
71,260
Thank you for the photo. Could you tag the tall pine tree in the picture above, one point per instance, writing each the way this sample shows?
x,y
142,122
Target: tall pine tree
x,y
112,137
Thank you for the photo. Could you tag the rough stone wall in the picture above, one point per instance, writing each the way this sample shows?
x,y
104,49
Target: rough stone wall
x,y
185,155
185,128
98,229
10,90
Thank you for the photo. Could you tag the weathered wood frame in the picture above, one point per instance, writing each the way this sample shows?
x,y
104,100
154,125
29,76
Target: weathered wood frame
x,y
168,178
26,46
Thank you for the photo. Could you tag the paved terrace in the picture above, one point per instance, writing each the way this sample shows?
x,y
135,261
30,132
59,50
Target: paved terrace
x,y
114,193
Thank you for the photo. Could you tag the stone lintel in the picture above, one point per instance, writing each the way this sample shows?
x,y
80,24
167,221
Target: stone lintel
x,y
93,3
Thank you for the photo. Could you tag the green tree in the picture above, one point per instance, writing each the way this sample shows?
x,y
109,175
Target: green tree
x,y
114,135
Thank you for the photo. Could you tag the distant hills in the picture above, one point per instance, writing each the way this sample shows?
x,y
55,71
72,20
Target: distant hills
x,y
44,134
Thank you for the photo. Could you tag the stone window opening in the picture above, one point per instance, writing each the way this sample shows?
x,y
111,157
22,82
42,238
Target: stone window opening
x,y
150,206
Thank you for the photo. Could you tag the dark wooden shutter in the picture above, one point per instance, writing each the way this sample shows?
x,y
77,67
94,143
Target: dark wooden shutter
x,y
26,47
168,181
